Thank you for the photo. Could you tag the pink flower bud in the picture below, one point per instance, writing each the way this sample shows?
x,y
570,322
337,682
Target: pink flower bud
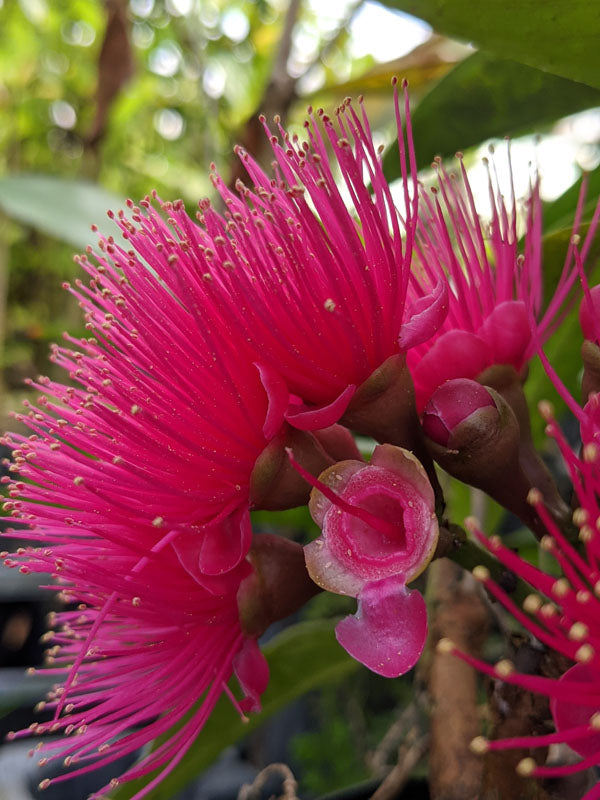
x,y
452,404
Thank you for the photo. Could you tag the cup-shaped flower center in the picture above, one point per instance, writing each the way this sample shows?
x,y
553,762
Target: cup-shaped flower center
x,y
376,541
377,519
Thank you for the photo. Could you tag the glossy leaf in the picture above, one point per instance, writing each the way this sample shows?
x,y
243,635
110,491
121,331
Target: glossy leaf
x,y
61,207
301,658
553,35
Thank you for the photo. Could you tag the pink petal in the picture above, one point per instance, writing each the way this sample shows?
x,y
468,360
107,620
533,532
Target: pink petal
x,y
252,671
425,317
388,632
278,396
328,572
307,418
507,331
217,547
456,354
569,714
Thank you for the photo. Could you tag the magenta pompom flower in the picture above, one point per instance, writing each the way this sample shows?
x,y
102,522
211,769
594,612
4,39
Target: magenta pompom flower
x,y
152,651
379,532
563,613
496,285
165,422
313,288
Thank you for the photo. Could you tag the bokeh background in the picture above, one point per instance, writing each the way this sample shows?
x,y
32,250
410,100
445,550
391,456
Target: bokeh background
x,y
100,101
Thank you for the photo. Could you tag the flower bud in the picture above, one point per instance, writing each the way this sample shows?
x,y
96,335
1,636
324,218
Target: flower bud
x,y
277,586
486,448
384,405
455,403
477,446
274,484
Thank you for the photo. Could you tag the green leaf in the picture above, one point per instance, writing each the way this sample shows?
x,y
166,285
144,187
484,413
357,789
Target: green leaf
x,y
301,658
485,97
61,207
554,35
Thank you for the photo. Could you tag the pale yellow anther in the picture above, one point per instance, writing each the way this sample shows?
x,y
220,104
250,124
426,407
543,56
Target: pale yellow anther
x,y
44,784
561,587
157,522
504,668
583,597
534,497
595,721
526,767
472,524
481,574
329,305
479,745
590,452
547,543
445,645
586,534
78,481
135,410
546,410
580,516
532,603
578,632
585,653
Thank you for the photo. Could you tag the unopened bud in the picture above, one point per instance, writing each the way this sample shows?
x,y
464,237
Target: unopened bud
x,y
472,433
453,405
278,586
274,484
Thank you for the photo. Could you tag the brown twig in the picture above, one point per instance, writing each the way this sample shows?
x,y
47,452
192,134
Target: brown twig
x,y
458,612
377,761
251,791
409,755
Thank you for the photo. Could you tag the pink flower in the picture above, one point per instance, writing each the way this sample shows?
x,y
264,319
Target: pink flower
x,y
165,423
563,614
496,314
152,651
313,291
379,532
